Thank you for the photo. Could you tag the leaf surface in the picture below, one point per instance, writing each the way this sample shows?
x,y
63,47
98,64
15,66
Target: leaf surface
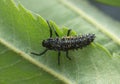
x,y
22,31
110,2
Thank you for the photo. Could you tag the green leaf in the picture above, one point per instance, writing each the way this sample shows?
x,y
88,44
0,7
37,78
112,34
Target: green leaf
x,y
22,32
16,70
110,2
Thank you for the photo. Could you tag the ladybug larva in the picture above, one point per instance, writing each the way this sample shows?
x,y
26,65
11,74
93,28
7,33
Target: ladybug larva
x,y
65,43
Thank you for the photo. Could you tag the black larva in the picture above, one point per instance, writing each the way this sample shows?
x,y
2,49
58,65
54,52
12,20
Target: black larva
x,y
65,43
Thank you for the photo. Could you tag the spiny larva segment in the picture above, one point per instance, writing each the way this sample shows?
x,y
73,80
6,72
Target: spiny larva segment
x,y
68,42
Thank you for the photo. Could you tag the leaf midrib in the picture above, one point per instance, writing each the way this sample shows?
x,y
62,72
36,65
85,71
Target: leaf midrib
x,y
91,20
35,62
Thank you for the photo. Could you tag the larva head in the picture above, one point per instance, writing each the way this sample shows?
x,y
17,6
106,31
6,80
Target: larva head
x,y
47,43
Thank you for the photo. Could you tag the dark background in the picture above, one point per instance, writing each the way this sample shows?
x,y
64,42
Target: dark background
x,y
112,11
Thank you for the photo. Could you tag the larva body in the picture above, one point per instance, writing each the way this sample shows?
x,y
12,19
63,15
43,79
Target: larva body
x,y
65,43
68,43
